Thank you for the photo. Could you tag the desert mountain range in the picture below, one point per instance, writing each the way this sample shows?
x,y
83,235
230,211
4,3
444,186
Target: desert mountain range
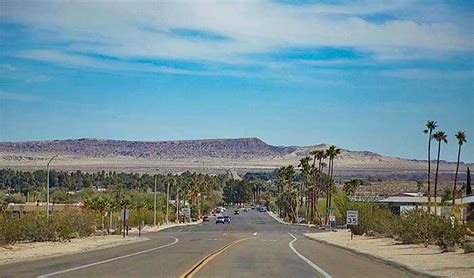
x,y
210,155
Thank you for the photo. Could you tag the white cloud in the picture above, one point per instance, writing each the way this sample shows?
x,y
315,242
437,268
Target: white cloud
x,y
123,29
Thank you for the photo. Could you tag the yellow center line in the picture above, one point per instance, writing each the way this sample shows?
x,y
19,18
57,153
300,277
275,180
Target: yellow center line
x,y
199,265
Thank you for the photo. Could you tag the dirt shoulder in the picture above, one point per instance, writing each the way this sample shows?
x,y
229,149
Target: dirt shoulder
x,y
429,260
34,250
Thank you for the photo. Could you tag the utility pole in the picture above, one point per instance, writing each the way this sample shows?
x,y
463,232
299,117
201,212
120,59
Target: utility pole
x,y
47,186
167,201
154,206
177,204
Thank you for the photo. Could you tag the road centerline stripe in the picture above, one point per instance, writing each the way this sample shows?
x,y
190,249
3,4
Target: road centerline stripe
x,y
313,265
109,260
199,265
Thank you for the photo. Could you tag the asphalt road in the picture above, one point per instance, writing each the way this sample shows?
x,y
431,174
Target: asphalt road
x,y
253,245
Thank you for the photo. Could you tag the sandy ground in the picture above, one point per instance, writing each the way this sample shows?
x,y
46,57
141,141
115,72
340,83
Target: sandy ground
x,y
34,250
428,260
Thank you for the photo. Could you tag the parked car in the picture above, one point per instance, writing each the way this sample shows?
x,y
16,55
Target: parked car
x,y
236,211
226,219
220,219
205,218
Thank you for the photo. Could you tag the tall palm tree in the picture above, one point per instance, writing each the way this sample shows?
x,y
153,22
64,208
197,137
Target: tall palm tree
x,y
430,126
305,172
439,136
461,136
319,155
331,153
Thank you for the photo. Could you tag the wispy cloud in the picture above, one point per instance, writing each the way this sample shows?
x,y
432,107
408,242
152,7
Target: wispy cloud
x,y
7,68
248,27
38,78
18,97
414,73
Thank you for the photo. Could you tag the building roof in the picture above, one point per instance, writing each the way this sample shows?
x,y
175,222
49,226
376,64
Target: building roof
x,y
465,200
407,199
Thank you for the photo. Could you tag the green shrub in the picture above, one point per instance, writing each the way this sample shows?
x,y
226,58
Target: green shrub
x,y
468,247
418,226
32,227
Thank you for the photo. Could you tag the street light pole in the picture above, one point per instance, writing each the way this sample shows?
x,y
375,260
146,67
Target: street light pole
x,y
47,186
154,206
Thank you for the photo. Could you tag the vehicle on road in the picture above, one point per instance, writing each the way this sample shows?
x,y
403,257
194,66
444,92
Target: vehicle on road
x,y
246,209
262,209
220,219
205,218
236,211
226,219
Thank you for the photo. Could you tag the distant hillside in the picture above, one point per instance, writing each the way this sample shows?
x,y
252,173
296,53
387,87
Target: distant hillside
x,y
244,148
212,155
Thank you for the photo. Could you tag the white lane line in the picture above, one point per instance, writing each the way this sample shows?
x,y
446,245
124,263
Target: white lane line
x,y
313,265
109,260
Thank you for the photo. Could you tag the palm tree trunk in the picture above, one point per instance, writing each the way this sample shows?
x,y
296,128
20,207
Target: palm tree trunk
x,y
456,175
436,177
429,172
327,192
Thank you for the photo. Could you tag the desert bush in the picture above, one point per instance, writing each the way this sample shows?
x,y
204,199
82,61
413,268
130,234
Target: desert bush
x,y
418,226
32,227
365,209
468,247
384,223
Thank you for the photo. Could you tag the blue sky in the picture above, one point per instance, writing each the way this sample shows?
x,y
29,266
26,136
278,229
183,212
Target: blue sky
x,y
361,75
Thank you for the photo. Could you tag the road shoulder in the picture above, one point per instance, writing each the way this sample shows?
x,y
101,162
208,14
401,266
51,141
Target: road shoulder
x,y
417,259
38,250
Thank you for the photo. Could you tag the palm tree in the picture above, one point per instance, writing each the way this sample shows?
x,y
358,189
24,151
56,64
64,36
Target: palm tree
x,y
332,153
461,136
319,155
430,126
305,172
439,136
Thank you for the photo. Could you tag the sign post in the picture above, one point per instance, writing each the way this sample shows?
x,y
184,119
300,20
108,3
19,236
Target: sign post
x,y
331,217
352,219
124,217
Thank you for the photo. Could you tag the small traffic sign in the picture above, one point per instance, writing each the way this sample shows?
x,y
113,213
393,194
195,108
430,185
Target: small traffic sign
x,y
122,214
352,217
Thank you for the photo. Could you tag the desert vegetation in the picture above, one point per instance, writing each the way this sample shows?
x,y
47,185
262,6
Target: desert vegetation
x,y
96,201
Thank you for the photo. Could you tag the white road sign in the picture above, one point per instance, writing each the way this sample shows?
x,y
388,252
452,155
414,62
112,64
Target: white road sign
x,y
122,214
352,217
187,212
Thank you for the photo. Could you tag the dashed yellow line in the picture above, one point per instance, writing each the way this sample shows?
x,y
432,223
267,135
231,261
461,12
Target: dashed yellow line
x,y
199,265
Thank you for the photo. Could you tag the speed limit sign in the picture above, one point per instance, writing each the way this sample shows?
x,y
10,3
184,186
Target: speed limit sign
x,y
352,217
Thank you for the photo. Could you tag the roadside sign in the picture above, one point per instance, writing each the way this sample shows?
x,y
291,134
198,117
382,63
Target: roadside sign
x,y
352,217
332,218
330,209
187,212
122,214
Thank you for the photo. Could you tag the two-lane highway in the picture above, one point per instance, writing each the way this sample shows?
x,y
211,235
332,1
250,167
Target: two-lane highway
x,y
253,245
